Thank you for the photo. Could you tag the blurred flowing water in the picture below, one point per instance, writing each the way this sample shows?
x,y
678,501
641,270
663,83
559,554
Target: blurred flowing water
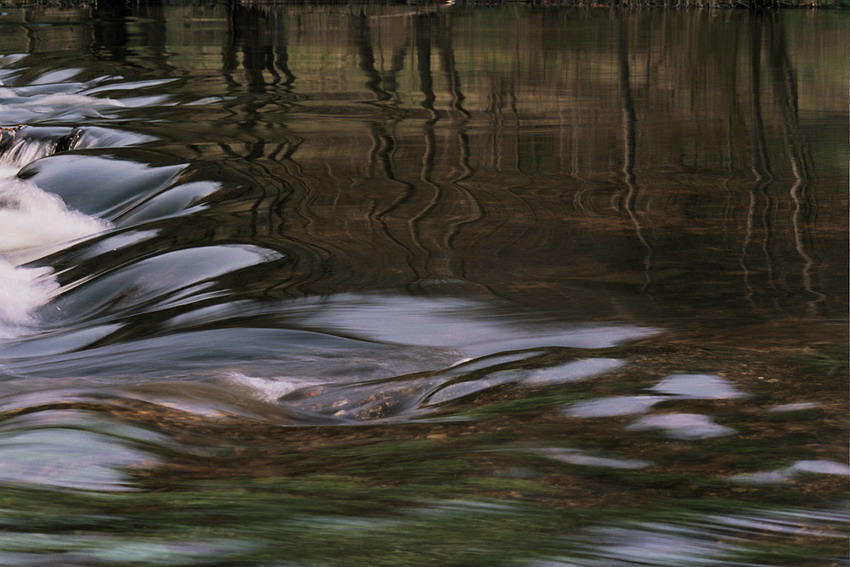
x,y
417,285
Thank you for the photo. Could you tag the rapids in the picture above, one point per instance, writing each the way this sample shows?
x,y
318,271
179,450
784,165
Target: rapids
x,y
416,285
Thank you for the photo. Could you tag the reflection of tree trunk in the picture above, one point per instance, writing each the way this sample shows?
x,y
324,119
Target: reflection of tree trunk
x,y
629,145
476,212
156,33
390,80
423,63
447,58
422,28
249,30
760,160
110,29
247,37
257,59
230,50
761,165
380,156
367,57
262,43
281,59
785,90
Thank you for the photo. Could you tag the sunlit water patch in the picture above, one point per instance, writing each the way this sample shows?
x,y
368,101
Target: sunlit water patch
x,y
71,450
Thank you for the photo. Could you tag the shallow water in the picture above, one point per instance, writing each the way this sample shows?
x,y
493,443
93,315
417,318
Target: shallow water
x,y
396,285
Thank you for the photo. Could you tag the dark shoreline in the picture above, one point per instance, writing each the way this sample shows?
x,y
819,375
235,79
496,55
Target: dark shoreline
x,y
610,4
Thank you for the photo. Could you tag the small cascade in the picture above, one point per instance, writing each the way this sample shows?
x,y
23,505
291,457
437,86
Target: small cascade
x,y
33,223
21,144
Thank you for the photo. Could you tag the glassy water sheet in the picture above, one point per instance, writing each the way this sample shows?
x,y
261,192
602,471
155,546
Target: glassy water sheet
x,y
377,285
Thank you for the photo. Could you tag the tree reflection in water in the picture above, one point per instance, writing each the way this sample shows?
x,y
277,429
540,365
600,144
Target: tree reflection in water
x,y
396,285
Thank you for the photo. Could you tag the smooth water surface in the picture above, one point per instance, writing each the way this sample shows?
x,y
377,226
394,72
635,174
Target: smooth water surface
x,y
422,285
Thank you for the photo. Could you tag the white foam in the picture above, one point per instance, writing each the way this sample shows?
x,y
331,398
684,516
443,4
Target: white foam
x,y
32,219
32,224
268,389
22,291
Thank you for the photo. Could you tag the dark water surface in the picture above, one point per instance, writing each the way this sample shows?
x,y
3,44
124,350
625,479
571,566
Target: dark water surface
x,y
393,285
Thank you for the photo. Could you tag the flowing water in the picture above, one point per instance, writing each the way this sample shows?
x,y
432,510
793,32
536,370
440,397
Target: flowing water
x,y
422,285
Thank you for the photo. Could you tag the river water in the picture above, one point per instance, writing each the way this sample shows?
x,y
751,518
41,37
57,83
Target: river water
x,y
422,285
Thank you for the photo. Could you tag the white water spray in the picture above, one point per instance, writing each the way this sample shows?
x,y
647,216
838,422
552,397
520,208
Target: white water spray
x,y
33,223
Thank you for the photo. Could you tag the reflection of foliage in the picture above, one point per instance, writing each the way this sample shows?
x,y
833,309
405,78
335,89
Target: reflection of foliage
x,y
829,361
347,520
